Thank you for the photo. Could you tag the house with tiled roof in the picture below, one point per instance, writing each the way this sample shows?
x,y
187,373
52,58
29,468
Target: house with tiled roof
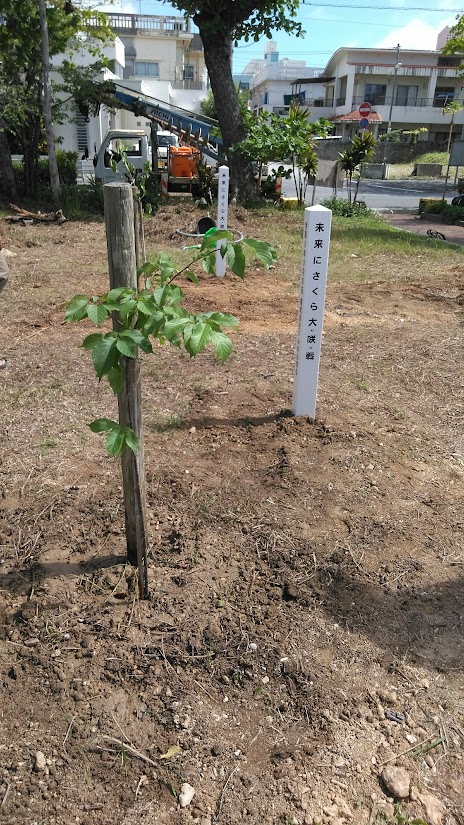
x,y
406,89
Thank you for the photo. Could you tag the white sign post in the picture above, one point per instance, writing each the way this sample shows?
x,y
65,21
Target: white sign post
x,y
223,208
316,242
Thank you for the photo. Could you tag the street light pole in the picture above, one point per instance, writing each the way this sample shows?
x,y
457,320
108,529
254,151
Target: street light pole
x,y
384,162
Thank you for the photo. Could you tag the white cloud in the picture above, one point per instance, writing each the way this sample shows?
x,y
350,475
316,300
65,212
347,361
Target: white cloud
x,y
414,35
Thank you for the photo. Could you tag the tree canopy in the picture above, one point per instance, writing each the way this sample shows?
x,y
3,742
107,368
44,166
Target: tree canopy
x,y
221,24
455,42
246,19
288,139
21,73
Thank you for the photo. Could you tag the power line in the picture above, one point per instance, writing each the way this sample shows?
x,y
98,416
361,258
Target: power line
x,y
383,8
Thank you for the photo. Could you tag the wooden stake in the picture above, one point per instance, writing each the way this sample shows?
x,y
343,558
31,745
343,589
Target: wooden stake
x,y
120,239
138,228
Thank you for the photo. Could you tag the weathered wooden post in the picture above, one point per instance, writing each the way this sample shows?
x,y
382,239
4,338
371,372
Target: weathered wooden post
x,y
120,239
138,228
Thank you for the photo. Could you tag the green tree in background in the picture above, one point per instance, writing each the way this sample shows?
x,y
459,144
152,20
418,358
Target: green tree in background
x,y
287,139
220,25
208,104
361,149
455,44
21,75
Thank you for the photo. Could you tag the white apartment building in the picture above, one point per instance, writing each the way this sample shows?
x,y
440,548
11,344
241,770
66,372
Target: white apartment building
x,y
158,56
272,81
407,89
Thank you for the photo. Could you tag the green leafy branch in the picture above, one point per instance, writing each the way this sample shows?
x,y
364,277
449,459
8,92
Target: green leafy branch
x,y
156,314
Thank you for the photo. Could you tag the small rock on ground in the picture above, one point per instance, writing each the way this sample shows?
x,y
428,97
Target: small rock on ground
x,y
397,781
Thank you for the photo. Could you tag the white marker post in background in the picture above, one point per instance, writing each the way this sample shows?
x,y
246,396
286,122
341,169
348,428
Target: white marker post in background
x,y
316,242
223,208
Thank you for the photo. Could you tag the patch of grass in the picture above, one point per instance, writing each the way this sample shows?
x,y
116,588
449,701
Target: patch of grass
x,y
371,249
361,249
47,443
398,818
400,171
162,422
360,384
433,157
153,370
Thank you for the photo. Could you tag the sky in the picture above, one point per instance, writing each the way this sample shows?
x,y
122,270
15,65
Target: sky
x,y
331,24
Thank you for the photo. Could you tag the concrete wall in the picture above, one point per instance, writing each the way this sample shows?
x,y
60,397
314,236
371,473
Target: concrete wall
x,y
397,152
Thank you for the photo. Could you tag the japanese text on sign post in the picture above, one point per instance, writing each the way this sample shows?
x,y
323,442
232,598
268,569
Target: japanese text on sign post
x,y
316,242
223,206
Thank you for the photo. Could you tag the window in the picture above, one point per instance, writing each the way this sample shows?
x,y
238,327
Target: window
x,y
189,72
341,91
82,133
167,140
406,95
145,68
444,95
132,149
299,98
445,60
375,93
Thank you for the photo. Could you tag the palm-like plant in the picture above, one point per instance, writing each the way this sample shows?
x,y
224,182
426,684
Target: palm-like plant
x,y
451,108
361,149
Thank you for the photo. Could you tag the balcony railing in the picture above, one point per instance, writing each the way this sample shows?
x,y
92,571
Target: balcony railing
x,y
279,71
383,100
311,104
193,85
147,23
405,71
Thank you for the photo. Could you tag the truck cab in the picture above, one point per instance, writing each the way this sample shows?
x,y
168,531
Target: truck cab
x,y
135,146
165,140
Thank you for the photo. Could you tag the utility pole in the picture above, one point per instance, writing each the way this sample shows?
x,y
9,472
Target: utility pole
x,y
47,104
397,65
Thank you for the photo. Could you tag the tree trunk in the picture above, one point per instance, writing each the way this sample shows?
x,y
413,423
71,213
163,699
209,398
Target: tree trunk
x,y
217,48
47,105
7,179
450,133
30,141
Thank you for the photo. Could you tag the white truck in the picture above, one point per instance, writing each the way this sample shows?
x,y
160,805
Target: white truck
x,y
165,140
177,170
175,163
170,127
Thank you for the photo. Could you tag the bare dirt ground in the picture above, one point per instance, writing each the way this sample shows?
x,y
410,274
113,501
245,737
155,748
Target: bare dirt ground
x,y
305,629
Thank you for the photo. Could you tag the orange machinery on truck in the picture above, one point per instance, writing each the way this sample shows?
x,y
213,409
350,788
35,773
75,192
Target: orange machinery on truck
x,y
179,173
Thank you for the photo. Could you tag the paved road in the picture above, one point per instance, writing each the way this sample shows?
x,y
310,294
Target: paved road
x,y
399,194
384,194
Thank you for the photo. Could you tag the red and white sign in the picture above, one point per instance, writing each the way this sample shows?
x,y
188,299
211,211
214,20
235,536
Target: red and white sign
x,y
365,109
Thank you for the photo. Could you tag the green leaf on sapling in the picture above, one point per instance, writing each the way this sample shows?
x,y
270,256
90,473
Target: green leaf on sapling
x,y
222,345
91,340
97,313
104,355
116,379
103,425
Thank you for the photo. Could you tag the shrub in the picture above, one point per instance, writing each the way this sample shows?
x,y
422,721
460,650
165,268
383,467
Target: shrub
x,y
66,167
343,209
451,214
426,203
78,202
150,193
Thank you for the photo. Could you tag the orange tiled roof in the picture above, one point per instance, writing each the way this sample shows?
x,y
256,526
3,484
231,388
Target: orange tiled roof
x,y
355,117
